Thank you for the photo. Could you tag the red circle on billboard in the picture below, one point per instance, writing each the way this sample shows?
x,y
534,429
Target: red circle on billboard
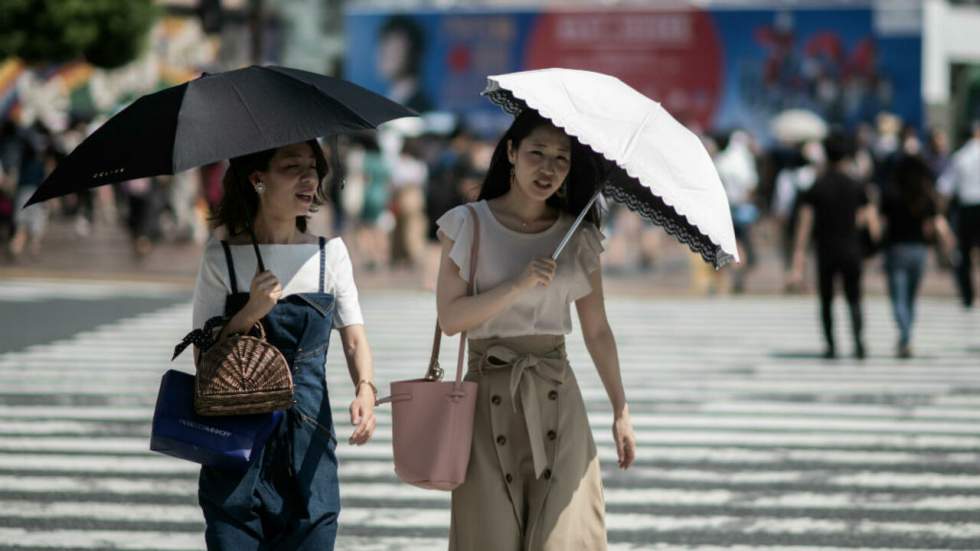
x,y
673,57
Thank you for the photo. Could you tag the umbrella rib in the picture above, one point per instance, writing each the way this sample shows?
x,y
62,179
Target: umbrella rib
x,y
322,95
689,209
244,103
636,133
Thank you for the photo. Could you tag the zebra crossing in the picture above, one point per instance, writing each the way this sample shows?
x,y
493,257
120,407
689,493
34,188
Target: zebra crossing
x,y
746,440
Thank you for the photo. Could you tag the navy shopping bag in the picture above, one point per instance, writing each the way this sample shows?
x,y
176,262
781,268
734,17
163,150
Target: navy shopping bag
x,y
226,441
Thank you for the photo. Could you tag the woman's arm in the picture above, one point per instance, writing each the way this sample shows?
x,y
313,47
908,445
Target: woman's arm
x,y
361,368
264,291
804,226
601,344
947,240
459,312
868,217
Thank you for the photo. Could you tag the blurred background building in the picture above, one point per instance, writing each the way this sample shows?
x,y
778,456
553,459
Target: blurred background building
x,y
714,64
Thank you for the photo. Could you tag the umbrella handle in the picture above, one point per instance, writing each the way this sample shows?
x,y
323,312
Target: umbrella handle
x,y
575,225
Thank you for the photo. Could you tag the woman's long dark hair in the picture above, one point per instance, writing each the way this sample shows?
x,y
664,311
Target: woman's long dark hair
x,y
580,184
914,184
240,203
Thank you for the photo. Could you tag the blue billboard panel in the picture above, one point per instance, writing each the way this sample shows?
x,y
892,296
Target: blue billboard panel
x,y
710,68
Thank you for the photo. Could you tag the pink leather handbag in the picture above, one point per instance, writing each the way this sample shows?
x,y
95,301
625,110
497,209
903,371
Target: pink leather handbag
x,y
431,420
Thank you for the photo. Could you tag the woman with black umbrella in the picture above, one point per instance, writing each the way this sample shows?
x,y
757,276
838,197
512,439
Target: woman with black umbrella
x,y
288,497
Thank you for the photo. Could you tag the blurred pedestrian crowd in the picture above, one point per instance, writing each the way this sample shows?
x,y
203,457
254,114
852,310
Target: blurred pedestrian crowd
x,y
395,184
150,209
882,190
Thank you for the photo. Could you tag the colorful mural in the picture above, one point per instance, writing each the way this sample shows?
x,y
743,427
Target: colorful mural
x,y
49,94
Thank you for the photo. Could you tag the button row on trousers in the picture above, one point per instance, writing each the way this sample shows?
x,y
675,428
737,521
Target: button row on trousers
x,y
495,399
546,475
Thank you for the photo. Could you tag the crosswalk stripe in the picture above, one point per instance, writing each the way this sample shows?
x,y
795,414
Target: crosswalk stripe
x,y
778,409
16,538
86,485
79,487
674,421
764,457
381,464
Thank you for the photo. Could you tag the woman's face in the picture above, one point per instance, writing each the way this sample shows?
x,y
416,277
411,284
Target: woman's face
x,y
393,55
290,182
541,162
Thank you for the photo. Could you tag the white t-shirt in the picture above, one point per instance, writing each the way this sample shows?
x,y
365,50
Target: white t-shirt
x,y
962,177
503,255
297,267
408,171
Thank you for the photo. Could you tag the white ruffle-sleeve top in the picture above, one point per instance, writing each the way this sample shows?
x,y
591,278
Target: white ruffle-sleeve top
x,y
503,255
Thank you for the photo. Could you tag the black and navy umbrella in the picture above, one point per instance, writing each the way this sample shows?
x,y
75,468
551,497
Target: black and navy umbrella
x,y
215,117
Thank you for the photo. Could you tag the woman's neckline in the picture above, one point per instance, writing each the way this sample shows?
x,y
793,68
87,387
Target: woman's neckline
x,y
249,244
498,223
274,244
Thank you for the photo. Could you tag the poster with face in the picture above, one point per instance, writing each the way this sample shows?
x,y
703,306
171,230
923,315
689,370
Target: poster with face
x,y
711,68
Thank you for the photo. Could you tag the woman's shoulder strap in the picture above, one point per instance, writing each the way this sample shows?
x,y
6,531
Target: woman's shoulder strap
x,y
231,266
323,261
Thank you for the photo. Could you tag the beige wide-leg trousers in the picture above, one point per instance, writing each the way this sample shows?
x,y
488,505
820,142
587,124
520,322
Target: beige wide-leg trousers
x,y
533,481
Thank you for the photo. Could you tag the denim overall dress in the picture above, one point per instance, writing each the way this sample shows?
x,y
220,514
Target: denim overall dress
x,y
288,498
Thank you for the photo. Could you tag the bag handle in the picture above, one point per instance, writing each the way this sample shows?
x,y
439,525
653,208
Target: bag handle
x,y
435,372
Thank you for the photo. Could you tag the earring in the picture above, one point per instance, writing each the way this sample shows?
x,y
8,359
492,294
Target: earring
x,y
513,176
259,188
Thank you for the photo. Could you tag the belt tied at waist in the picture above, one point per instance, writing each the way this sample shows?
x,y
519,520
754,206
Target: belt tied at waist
x,y
548,367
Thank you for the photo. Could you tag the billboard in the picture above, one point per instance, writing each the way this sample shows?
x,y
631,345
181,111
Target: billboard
x,y
711,68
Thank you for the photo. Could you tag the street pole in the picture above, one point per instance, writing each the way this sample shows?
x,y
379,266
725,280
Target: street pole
x,y
256,20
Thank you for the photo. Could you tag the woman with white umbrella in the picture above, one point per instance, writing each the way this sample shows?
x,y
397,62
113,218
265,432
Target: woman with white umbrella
x,y
533,480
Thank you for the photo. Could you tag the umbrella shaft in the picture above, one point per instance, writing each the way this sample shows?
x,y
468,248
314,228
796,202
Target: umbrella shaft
x,y
575,225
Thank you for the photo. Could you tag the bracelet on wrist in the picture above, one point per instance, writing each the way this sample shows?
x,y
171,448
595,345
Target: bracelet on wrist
x,y
357,387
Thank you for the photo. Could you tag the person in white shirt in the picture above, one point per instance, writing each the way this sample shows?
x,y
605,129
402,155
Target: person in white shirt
x,y
961,181
288,498
737,170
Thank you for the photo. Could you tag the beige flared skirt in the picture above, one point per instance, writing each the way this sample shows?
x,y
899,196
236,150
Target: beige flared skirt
x,y
533,481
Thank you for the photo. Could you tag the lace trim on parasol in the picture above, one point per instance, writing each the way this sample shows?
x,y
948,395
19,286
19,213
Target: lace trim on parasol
x,y
651,207
506,100
675,224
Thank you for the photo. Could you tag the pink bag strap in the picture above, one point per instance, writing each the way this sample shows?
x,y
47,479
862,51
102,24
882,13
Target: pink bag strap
x,y
435,372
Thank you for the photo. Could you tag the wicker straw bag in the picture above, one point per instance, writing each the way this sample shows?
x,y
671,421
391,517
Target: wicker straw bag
x,y
242,374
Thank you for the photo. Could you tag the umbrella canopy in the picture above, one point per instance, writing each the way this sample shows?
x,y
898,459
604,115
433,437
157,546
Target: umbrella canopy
x,y
794,126
216,117
665,174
